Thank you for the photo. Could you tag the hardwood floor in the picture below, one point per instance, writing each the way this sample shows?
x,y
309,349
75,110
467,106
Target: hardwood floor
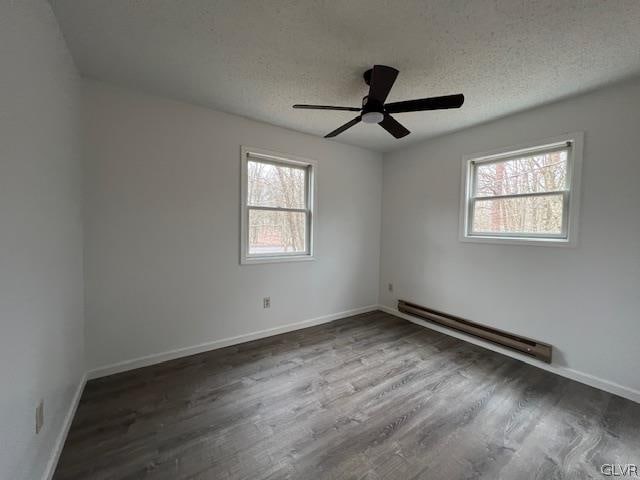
x,y
366,397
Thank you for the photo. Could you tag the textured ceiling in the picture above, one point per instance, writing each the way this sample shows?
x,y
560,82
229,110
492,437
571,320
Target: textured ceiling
x,y
258,57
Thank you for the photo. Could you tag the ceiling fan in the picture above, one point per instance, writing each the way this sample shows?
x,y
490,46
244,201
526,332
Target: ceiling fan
x,y
380,79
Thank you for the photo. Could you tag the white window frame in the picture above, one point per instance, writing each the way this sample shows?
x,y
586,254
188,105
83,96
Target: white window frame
x,y
569,235
311,203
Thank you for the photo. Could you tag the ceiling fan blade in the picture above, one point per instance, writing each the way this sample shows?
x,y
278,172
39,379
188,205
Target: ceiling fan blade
x,y
422,104
382,79
325,107
394,127
344,127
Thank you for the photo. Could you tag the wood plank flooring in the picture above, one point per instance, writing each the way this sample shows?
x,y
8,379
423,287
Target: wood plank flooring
x,y
366,397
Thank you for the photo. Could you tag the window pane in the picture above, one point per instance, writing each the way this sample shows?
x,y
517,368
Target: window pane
x,y
546,172
277,232
540,215
276,185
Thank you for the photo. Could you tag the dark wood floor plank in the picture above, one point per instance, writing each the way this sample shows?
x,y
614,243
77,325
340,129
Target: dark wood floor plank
x,y
366,397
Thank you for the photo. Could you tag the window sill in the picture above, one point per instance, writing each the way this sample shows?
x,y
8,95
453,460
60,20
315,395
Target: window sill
x,y
283,259
531,241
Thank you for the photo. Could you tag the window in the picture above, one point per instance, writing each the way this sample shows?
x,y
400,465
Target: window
x,y
277,207
523,195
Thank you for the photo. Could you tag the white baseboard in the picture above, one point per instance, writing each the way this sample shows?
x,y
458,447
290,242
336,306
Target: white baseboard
x,y
587,379
225,342
62,436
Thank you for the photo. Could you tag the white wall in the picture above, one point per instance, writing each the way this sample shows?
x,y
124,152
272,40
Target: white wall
x,y
162,228
585,301
41,305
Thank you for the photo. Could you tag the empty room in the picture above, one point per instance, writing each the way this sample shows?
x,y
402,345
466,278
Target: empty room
x,y
319,239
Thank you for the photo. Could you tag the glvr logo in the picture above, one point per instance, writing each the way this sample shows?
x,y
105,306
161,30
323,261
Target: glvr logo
x,y
619,470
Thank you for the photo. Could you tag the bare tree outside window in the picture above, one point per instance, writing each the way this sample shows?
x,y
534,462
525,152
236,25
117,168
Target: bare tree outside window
x,y
277,207
521,195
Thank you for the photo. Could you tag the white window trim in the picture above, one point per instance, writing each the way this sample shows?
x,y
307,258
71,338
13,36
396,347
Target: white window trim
x,y
572,198
312,199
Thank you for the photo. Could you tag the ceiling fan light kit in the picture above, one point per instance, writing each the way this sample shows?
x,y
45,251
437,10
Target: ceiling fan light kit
x,y
380,79
372,117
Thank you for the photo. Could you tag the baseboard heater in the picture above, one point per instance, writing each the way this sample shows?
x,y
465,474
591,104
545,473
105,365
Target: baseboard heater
x,y
533,348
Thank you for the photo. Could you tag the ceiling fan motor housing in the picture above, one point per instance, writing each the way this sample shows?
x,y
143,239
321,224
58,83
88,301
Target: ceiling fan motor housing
x,y
372,110
371,105
367,76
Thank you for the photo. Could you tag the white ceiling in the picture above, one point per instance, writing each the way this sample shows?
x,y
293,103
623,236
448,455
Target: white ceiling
x,y
258,57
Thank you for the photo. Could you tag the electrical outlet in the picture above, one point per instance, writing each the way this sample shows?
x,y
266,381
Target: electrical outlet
x,y
266,302
390,287
39,416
